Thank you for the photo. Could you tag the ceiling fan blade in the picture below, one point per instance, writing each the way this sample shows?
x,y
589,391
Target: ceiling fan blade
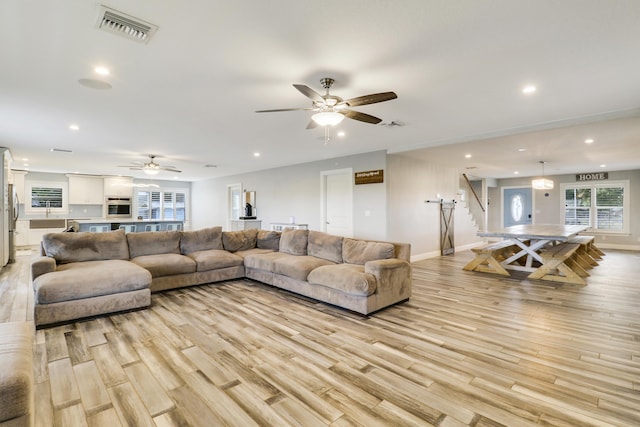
x,y
134,168
284,109
168,169
309,93
312,124
371,99
356,115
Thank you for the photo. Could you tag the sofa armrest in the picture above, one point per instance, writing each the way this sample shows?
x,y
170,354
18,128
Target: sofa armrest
x,y
393,275
41,265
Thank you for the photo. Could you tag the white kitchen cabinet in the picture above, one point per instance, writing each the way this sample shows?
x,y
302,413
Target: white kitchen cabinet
x,y
21,233
18,178
121,186
86,190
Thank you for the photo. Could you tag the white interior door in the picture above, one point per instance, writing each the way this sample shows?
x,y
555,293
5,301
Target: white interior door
x,y
338,203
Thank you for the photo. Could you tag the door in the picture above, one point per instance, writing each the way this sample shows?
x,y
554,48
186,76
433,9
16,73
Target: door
x,y
517,206
338,202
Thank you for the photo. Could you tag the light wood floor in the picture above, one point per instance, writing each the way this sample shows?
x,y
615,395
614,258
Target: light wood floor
x,y
468,349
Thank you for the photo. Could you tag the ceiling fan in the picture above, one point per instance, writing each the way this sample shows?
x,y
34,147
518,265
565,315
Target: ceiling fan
x,y
151,167
331,110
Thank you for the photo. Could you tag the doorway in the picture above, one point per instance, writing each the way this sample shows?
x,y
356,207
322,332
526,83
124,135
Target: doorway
x,y
337,202
517,206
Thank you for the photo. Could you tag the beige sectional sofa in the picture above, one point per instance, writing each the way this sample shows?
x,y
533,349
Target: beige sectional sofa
x,y
86,274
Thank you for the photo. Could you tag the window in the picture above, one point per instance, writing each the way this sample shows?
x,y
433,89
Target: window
x,y
162,205
49,197
603,206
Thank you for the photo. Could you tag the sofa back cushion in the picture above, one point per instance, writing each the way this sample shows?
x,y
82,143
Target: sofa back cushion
x,y
294,242
268,240
201,240
325,246
360,251
153,243
83,246
243,240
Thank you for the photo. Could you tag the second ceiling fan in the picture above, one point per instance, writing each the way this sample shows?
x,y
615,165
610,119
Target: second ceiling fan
x,y
331,109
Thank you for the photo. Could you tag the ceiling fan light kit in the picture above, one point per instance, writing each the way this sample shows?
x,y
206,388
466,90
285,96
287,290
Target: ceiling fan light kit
x,y
331,110
327,118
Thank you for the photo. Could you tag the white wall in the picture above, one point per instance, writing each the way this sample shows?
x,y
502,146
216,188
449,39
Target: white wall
x,y
410,219
296,191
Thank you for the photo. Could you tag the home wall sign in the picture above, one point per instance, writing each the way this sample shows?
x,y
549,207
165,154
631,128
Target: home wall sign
x,y
369,177
595,176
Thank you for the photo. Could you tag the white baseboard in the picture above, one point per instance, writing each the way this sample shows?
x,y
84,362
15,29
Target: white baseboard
x,y
433,254
602,245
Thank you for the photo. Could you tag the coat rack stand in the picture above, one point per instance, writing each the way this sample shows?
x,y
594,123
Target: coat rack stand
x,y
447,209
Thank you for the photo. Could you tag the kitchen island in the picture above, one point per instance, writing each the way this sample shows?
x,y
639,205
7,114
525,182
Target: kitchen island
x,y
129,225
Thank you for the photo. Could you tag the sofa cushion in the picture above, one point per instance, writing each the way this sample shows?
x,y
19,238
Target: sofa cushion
x,y
153,243
84,246
89,279
243,254
233,241
294,242
268,240
201,240
348,278
263,261
360,251
326,246
16,375
166,264
214,259
299,266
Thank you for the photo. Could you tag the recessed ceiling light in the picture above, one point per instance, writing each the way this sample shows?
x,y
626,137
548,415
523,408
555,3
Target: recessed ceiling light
x,y
522,149
603,166
516,172
103,71
24,159
74,126
341,134
529,89
256,154
467,156
26,165
588,141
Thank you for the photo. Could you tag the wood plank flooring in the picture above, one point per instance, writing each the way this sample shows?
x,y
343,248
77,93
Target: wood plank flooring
x,y
468,349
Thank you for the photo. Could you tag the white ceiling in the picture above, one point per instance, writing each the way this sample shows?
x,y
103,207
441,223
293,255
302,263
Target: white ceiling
x,y
189,95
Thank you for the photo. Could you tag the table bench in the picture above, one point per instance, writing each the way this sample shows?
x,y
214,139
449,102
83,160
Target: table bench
x,y
488,258
587,244
561,265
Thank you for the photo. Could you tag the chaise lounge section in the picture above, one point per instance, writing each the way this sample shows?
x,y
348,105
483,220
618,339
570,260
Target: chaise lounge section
x,y
87,274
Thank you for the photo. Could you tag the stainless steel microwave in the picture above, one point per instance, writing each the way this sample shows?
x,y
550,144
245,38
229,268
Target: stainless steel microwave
x,y
118,207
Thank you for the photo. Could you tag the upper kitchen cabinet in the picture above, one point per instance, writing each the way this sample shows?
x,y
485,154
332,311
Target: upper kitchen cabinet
x,y
121,186
17,178
86,190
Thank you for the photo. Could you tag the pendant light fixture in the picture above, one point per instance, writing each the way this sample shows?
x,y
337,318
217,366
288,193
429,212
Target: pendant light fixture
x,y
542,183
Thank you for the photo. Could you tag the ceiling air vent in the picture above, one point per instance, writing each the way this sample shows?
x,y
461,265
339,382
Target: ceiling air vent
x,y
132,28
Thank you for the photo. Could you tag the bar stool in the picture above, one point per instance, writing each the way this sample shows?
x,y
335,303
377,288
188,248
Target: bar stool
x,y
172,227
128,228
99,228
152,227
